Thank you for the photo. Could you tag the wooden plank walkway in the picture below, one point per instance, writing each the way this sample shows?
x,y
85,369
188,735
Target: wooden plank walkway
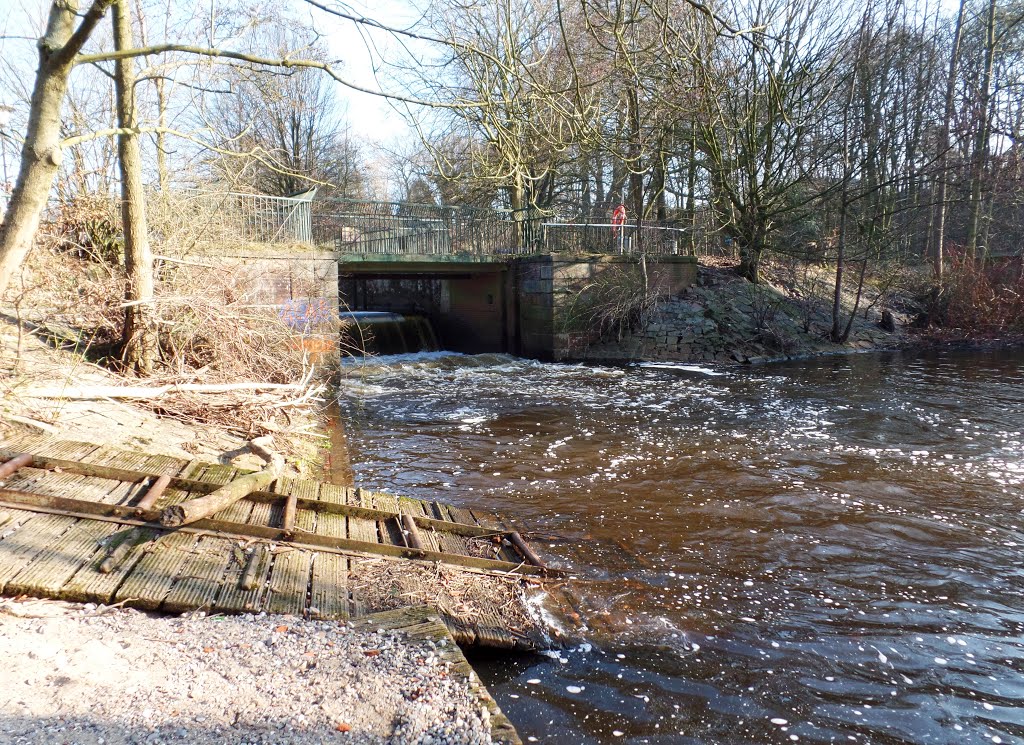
x,y
68,530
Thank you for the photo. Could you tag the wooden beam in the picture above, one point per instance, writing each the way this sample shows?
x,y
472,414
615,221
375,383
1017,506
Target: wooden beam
x,y
154,493
415,540
260,496
55,505
290,508
14,464
524,550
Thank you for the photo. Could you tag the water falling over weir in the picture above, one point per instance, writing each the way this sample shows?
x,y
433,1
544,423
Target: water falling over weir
x,y
376,333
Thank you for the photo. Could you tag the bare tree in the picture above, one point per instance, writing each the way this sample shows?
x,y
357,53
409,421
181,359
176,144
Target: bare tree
x,y
284,132
43,152
767,96
139,343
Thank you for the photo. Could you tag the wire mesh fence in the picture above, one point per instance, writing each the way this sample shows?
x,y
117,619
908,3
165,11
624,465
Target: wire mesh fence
x,y
231,217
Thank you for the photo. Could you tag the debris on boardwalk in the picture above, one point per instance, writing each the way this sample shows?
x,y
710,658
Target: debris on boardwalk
x,y
80,522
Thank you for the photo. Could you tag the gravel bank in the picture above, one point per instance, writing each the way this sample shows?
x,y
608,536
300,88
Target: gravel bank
x,y
77,674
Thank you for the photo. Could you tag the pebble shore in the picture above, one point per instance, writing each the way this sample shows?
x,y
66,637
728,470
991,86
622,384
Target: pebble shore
x,y
98,676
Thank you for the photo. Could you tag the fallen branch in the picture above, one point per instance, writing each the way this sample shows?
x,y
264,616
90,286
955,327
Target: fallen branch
x,y
261,446
196,509
139,392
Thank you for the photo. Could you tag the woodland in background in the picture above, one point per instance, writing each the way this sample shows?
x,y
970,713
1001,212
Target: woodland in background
x,y
867,137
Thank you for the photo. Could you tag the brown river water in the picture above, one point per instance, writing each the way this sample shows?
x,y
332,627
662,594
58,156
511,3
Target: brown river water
x,y
824,551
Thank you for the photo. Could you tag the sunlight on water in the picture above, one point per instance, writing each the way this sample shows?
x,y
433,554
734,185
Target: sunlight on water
x,y
824,552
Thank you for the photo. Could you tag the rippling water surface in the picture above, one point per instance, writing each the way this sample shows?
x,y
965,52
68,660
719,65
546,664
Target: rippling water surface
x,y
831,551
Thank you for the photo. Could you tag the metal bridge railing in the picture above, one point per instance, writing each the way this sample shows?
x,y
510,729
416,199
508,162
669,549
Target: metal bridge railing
x,y
397,228
190,217
607,238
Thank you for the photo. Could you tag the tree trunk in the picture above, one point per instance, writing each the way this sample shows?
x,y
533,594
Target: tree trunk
x,y
161,137
139,342
751,247
691,188
196,509
41,154
982,139
636,178
947,119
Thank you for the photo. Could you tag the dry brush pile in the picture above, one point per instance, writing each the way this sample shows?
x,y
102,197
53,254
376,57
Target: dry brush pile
x,y
228,354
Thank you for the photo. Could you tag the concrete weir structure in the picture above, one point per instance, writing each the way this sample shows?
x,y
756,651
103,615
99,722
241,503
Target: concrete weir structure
x,y
538,306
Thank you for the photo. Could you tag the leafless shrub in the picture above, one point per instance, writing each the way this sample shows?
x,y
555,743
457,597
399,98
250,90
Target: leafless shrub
x,y
615,301
982,300
218,323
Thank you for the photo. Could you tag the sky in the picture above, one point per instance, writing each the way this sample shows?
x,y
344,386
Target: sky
x,y
371,117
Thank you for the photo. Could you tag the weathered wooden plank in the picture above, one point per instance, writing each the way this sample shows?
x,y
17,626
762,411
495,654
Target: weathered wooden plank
x,y
237,512
28,541
89,585
449,543
150,518
191,470
306,492
505,552
461,515
163,465
204,487
26,442
68,450
46,482
381,501
463,630
237,597
107,456
415,508
333,494
10,519
217,473
329,586
155,574
289,580
199,582
491,630
361,529
47,573
245,588
398,619
331,525
358,607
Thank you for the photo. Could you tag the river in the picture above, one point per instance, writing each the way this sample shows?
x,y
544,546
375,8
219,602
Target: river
x,y
824,551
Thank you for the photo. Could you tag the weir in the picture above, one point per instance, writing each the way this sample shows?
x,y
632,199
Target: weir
x,y
529,306
381,333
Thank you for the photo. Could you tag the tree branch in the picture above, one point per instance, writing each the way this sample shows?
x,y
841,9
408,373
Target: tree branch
x,y
266,62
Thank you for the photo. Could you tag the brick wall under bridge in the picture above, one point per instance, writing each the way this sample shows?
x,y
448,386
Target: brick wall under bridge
x,y
545,307
296,285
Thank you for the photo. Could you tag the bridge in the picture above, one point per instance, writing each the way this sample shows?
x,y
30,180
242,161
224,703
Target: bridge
x,y
489,280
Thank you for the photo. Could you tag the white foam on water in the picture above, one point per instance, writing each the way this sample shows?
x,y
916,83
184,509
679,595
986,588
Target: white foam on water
x,y
679,366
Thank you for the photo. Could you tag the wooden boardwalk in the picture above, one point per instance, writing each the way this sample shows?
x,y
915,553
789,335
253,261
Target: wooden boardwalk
x,y
69,529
